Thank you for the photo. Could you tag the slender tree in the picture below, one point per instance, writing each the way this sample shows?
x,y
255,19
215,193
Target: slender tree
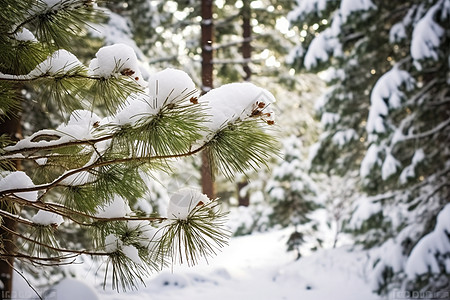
x,y
207,83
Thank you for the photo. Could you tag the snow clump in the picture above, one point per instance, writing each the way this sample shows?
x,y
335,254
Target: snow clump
x,y
19,180
115,60
47,218
183,202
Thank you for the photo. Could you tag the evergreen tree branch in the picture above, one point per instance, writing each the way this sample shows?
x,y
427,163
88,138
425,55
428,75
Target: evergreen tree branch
x,y
56,249
199,235
16,218
143,159
52,147
69,213
60,22
43,261
427,133
222,149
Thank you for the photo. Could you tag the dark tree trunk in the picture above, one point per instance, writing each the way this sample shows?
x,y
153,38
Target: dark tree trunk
x,y
247,36
246,49
207,84
11,128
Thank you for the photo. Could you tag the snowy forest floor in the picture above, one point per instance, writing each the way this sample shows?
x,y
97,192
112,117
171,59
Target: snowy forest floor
x,y
251,267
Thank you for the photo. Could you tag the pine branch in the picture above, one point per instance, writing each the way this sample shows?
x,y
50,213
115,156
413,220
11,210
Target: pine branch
x,y
59,24
71,214
112,92
237,147
22,150
71,251
171,130
240,147
66,87
62,260
124,272
200,235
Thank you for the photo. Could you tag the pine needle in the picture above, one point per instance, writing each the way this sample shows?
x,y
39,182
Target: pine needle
x,y
240,147
201,235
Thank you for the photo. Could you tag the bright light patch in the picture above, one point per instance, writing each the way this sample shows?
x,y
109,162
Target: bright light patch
x,y
220,3
272,62
180,15
171,6
282,25
265,54
256,4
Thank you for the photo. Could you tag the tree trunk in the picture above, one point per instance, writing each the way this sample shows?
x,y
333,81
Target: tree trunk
x,y
207,85
247,35
12,128
246,49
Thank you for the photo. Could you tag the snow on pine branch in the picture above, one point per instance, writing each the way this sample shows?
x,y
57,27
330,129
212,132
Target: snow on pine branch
x,y
183,202
109,61
16,181
387,94
116,60
225,105
44,218
349,7
117,208
80,127
164,89
58,63
237,101
304,8
370,160
427,34
410,170
25,35
324,45
228,104
430,254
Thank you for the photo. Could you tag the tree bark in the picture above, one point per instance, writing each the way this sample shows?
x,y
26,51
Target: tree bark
x,y
207,84
12,128
246,49
247,35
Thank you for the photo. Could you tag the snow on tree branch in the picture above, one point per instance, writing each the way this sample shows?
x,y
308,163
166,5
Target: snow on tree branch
x,y
427,36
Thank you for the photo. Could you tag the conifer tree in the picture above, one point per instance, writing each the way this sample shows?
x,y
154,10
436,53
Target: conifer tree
x,y
293,195
386,117
88,172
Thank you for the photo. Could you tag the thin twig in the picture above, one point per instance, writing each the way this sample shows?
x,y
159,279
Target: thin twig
x,y
100,164
78,252
24,278
56,146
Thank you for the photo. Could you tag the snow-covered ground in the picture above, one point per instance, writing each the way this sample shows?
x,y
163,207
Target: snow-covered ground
x,y
251,267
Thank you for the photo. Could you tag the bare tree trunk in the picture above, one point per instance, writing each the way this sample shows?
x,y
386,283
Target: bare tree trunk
x,y
207,84
247,35
12,128
246,49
